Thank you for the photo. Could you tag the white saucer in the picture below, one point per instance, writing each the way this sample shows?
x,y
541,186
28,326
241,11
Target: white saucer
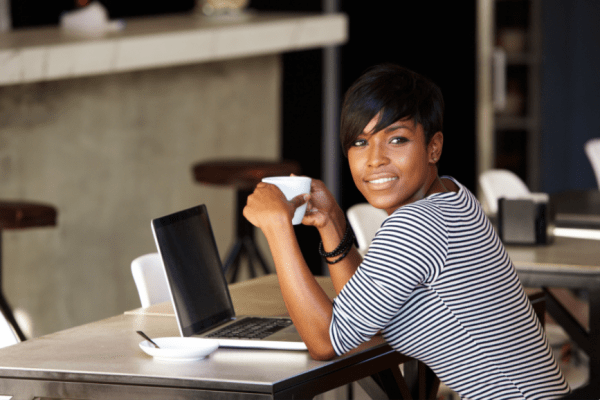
x,y
180,348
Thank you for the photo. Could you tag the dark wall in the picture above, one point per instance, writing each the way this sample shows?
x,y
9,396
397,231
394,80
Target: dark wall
x,y
434,38
422,36
419,35
570,86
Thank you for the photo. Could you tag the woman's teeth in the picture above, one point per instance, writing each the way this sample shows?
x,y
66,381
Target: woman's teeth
x,y
383,180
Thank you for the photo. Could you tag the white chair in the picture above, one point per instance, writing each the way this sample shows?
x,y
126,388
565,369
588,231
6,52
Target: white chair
x,y
8,337
498,183
150,280
592,149
365,220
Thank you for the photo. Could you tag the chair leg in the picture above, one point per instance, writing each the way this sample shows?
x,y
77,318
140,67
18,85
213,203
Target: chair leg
x,y
8,314
232,256
245,244
232,263
4,307
247,250
244,248
254,254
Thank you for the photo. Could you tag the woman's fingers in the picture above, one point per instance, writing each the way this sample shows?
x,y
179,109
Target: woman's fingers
x,y
299,200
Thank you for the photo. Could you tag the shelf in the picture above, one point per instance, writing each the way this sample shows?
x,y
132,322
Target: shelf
x,y
517,131
505,122
523,59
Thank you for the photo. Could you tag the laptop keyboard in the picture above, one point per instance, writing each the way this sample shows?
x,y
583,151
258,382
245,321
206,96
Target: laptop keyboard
x,y
252,328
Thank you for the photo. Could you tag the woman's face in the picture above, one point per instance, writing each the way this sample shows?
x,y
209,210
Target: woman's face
x,y
394,166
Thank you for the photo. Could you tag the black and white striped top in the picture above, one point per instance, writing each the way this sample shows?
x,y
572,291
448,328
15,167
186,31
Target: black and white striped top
x,y
440,286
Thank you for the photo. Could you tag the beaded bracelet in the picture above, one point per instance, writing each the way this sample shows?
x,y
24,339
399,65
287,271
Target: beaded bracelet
x,y
342,249
339,259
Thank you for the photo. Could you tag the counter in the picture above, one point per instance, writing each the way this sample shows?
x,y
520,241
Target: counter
x,y
49,53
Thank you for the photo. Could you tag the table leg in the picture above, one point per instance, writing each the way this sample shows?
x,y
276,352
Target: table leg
x,y
592,390
421,380
418,382
588,341
567,321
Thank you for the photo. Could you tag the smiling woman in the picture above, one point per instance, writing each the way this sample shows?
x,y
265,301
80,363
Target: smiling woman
x,y
395,166
436,280
391,131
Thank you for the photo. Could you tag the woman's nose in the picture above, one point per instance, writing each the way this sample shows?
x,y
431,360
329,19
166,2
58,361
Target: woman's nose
x,y
377,155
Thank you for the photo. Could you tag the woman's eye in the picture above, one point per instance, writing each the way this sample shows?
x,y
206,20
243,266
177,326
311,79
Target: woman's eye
x,y
398,140
359,142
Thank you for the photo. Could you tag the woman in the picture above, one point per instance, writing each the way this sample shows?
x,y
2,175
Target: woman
x,y
436,281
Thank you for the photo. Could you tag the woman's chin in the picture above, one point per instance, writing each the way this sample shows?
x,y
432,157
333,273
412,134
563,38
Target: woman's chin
x,y
380,203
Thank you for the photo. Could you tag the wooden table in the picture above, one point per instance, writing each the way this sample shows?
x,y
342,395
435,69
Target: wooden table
x,y
102,360
567,263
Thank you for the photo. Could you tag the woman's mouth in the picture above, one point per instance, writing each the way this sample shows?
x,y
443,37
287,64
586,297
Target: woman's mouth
x,y
383,180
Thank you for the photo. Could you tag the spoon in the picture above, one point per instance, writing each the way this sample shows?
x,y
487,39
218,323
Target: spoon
x,y
142,334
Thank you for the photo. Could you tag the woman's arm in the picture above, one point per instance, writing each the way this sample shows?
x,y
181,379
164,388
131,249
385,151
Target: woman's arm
x,y
308,305
332,234
325,214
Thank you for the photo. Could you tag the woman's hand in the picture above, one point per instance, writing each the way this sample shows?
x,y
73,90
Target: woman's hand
x,y
322,207
267,205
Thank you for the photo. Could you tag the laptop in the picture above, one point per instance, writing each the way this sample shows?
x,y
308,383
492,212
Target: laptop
x,y
199,290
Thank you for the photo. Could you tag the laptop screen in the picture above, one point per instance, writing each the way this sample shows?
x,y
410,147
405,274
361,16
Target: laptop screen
x,y
198,287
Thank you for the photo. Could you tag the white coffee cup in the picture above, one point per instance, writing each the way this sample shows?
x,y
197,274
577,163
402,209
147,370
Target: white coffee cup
x,y
292,186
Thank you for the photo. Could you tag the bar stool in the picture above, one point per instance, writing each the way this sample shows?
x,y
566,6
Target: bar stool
x,y
244,175
20,215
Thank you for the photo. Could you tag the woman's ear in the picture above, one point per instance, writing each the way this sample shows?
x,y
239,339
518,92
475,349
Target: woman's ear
x,y
434,148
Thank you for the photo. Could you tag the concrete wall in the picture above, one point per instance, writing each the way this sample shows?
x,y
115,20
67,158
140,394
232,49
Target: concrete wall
x,y
112,152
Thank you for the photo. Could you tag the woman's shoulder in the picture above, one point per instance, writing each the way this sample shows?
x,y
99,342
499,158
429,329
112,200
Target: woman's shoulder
x,y
432,209
456,191
451,184
421,224
420,212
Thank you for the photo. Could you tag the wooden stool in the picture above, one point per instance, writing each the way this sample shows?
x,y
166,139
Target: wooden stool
x,y
20,215
244,175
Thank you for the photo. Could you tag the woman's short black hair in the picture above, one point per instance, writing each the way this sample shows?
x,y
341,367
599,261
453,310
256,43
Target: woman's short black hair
x,y
395,92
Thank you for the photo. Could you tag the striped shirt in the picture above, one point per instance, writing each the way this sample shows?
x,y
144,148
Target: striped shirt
x,y
438,283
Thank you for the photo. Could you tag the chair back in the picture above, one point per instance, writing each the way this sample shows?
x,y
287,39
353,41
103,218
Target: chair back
x,y
365,220
150,280
499,183
8,337
592,149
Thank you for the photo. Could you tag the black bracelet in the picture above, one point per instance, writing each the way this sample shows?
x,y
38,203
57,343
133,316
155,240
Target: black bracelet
x,y
341,258
343,247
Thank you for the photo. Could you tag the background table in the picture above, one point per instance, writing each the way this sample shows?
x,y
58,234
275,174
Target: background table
x,y
577,208
567,263
102,360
